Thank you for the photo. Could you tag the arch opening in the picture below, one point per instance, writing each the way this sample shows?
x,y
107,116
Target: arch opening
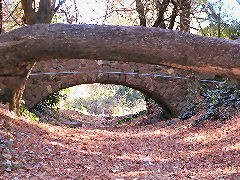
x,y
168,110
103,99
107,101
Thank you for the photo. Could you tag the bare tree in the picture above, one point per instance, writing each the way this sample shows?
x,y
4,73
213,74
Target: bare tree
x,y
161,10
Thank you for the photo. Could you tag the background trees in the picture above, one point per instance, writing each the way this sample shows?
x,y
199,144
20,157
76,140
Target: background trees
x,y
170,14
104,99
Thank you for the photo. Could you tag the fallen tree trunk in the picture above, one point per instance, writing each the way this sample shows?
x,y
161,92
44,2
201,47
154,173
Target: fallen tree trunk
x,y
139,44
21,47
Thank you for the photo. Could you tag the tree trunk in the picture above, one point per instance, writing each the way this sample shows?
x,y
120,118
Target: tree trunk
x,y
185,6
1,17
24,46
12,87
141,13
43,15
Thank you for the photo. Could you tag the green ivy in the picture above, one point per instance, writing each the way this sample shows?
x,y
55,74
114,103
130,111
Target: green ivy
x,y
189,111
219,103
25,112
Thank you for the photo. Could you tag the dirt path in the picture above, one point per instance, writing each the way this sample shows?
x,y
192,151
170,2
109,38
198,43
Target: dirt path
x,y
151,152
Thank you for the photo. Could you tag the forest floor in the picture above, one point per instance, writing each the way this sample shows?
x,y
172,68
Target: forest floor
x,y
37,150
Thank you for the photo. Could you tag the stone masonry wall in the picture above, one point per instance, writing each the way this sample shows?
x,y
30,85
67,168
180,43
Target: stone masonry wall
x,y
170,93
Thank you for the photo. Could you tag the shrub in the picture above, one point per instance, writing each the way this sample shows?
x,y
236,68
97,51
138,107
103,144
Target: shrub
x,y
130,118
50,102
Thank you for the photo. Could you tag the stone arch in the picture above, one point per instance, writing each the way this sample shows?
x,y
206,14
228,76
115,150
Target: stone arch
x,y
169,110
167,92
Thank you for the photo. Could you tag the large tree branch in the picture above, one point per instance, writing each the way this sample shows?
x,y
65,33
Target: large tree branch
x,y
139,44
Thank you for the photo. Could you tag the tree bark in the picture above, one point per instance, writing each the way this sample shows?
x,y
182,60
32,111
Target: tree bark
x,y
43,15
1,17
141,13
161,10
28,44
25,45
173,17
185,7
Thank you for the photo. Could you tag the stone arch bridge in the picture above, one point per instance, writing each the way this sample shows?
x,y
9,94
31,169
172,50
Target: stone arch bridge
x,y
169,93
